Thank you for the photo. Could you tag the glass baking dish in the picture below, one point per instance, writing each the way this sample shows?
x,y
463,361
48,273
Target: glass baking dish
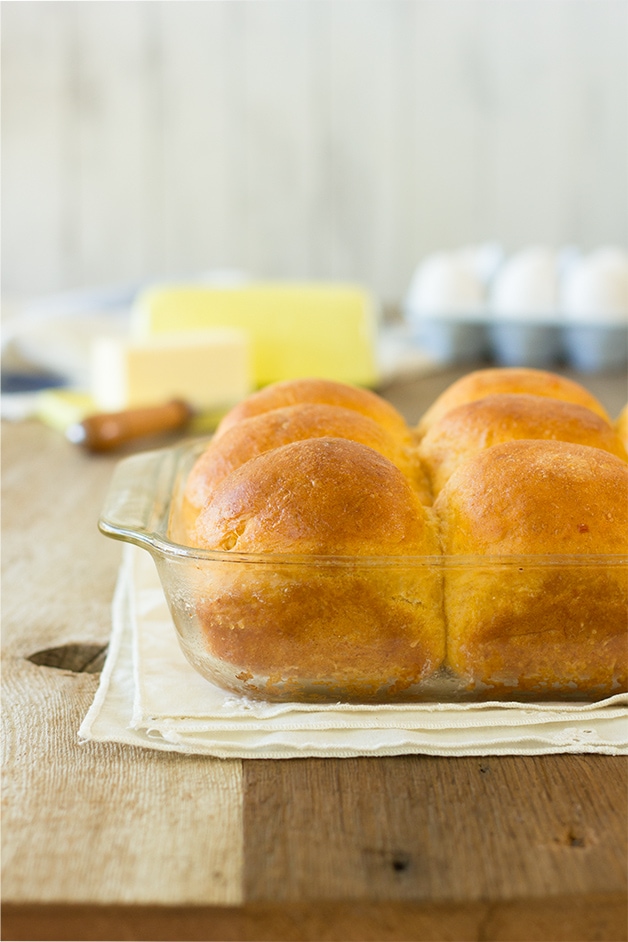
x,y
376,629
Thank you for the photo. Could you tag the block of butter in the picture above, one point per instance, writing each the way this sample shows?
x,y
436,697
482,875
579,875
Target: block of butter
x,y
296,330
60,408
209,369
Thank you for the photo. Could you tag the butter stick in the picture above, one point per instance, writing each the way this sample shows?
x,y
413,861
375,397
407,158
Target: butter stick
x,y
297,330
208,369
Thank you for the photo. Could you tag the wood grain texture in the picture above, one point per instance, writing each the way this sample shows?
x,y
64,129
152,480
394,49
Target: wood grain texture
x,y
304,140
571,919
102,841
58,572
87,822
112,139
455,829
79,658
38,106
98,824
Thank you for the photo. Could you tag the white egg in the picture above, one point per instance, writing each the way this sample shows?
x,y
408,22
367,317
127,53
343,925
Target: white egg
x,y
595,291
444,286
526,286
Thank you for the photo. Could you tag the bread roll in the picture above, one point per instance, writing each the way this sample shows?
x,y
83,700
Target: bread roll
x,y
293,392
532,626
509,380
261,433
467,429
356,629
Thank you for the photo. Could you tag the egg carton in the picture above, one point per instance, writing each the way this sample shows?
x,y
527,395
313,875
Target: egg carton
x,y
536,308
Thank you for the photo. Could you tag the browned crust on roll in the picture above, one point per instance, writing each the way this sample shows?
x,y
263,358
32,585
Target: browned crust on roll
x,y
326,496
368,632
322,391
482,383
470,428
536,497
261,433
536,479
534,628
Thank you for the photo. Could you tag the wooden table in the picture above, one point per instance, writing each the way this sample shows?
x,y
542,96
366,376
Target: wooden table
x,y
112,842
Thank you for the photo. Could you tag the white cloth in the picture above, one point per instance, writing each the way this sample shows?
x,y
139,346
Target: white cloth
x,y
150,696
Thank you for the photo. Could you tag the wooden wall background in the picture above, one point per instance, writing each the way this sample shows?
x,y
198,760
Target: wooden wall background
x,y
304,138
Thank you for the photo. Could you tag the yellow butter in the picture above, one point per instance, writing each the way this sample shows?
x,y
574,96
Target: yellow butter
x,y
296,331
60,408
209,369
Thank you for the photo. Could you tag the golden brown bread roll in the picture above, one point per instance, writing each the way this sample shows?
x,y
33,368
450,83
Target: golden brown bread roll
x,y
467,429
533,626
334,474
482,383
292,392
261,433
366,630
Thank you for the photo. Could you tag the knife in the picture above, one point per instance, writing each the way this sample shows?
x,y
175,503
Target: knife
x,y
107,431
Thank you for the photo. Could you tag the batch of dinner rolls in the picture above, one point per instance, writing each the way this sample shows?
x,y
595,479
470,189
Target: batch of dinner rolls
x,y
475,555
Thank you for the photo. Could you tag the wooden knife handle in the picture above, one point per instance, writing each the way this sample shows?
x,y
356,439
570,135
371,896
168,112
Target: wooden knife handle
x,y
108,430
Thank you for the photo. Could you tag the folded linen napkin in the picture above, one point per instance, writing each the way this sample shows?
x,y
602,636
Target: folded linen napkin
x,y
150,696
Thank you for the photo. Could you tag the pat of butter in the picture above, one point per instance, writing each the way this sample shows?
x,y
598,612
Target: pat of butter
x,y
296,330
60,408
209,369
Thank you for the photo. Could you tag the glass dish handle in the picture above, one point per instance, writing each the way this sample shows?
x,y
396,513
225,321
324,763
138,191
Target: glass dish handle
x,y
138,497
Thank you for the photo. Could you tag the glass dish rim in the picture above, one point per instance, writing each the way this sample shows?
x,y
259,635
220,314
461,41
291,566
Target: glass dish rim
x,y
160,545
169,461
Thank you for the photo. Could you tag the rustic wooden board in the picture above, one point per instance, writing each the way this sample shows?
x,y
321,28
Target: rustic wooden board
x,y
435,829
561,919
89,823
113,824
111,842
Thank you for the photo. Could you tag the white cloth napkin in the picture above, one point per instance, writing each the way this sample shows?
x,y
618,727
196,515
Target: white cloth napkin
x,y
150,696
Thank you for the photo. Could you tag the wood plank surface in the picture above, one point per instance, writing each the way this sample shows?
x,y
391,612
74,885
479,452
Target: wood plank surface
x,y
304,140
86,824
114,141
560,919
82,822
435,829
102,841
